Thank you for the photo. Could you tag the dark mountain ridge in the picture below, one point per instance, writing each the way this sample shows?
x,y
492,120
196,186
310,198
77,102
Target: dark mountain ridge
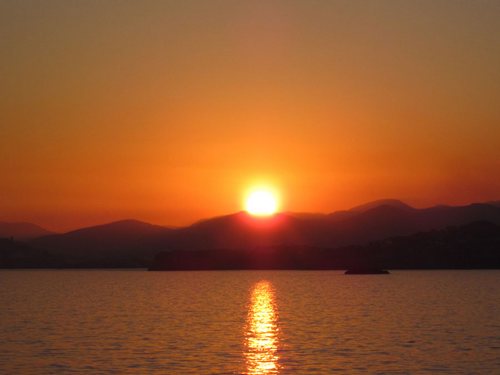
x,y
135,242
381,202
22,231
125,241
472,246
333,230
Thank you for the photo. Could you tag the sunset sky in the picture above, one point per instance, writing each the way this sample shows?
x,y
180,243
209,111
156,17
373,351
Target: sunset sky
x,y
170,111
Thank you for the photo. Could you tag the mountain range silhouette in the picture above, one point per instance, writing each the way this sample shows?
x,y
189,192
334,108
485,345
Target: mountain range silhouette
x,y
135,243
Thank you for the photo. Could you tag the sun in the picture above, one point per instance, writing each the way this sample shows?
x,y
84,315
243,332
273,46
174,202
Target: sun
x,y
261,203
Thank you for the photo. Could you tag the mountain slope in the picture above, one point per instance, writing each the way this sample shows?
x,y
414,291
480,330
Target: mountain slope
x,y
22,231
380,202
130,238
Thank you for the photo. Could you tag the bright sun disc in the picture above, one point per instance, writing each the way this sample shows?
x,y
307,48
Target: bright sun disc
x,y
261,203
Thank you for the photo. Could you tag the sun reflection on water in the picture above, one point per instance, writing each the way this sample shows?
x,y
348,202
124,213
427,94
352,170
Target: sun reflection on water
x,y
262,331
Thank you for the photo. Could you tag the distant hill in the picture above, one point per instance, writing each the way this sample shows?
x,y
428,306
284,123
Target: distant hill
x,y
473,246
134,243
132,240
22,231
381,202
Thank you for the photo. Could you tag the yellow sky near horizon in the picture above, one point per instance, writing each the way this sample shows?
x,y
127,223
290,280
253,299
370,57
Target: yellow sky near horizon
x,y
169,111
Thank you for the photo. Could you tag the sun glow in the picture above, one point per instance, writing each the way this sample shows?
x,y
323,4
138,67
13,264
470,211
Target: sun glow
x,y
261,203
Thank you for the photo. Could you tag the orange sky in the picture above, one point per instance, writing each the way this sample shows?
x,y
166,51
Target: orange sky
x,y
167,111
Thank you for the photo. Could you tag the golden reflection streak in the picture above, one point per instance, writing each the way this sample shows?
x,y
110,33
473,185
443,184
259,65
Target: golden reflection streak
x,y
261,334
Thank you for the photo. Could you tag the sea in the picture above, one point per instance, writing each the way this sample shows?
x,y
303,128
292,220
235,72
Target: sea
x,y
249,322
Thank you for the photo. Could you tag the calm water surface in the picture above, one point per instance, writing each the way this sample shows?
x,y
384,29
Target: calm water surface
x,y
249,322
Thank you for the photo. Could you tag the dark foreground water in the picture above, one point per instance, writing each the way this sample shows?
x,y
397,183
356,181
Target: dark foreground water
x,y
253,322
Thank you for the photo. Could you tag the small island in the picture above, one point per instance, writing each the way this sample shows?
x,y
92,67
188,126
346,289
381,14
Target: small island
x,y
366,271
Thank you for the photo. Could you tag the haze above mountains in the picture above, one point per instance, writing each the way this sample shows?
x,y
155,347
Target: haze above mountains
x,y
139,241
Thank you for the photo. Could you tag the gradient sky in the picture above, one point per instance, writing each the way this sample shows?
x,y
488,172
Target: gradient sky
x,y
168,111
